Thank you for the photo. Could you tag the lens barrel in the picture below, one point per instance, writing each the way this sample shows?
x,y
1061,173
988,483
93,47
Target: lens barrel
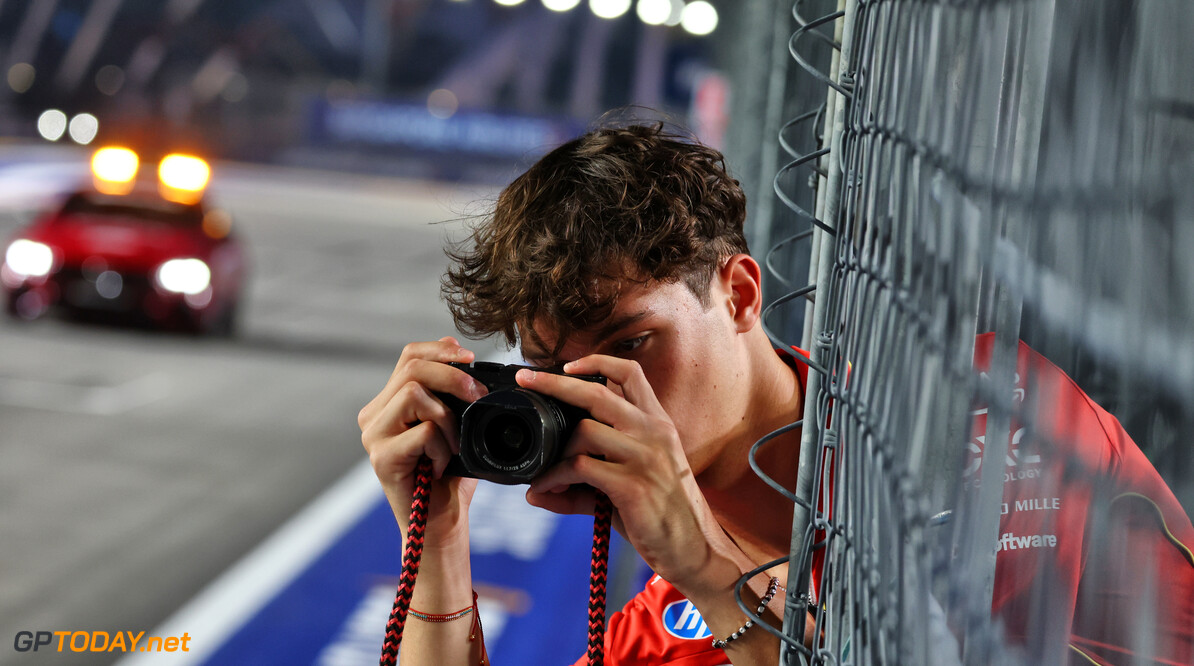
x,y
512,435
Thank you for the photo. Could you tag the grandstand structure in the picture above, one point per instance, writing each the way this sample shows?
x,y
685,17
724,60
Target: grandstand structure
x,y
1018,168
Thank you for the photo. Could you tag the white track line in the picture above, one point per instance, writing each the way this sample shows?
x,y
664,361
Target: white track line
x,y
228,602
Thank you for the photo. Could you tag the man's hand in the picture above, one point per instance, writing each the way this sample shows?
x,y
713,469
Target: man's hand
x,y
406,421
630,450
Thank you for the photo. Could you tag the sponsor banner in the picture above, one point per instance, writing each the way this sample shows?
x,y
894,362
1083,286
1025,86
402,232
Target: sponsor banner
x,y
530,570
387,123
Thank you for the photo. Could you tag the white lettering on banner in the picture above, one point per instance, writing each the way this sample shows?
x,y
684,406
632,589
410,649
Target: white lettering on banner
x,y
1039,504
1011,541
501,521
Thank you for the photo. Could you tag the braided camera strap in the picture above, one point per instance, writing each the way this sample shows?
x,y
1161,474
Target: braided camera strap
x,y
602,518
413,552
411,555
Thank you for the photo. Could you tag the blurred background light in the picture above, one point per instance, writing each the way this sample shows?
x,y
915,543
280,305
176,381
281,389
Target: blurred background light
x,y
442,103
113,164
21,76
83,128
184,276
28,257
184,172
609,9
561,5
509,3
51,124
109,79
654,12
699,18
677,13
217,223
109,284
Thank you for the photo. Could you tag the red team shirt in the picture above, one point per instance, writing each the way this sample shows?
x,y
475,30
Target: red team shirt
x,y
1089,534
1110,580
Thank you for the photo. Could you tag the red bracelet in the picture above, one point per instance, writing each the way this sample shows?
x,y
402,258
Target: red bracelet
x,y
446,617
474,631
435,617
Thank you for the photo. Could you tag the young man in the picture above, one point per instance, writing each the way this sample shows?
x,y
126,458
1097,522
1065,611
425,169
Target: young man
x,y
622,254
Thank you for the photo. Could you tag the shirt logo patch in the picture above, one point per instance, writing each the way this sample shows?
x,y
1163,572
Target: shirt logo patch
x,y
682,620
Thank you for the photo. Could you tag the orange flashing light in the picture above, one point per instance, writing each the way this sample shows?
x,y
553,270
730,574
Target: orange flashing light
x,y
182,178
113,169
184,172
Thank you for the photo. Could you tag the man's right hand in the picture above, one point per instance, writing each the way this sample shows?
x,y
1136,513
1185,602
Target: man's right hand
x,y
405,421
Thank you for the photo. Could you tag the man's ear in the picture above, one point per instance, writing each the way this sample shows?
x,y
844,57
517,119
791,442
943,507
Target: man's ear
x,y
741,280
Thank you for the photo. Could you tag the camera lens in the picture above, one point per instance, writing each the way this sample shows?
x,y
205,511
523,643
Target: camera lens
x,y
511,435
507,438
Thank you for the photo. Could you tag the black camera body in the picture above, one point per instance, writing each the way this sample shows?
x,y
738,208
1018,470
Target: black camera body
x,y
512,434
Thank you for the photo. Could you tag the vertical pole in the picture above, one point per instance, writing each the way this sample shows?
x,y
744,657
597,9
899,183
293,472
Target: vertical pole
x,y
831,161
795,615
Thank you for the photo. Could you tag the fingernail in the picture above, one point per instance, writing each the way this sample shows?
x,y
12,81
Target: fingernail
x,y
569,365
478,390
462,352
526,375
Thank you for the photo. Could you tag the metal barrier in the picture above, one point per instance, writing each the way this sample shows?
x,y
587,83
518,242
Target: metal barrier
x,y
1015,166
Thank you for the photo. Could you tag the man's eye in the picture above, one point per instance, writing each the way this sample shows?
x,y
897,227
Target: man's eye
x,y
627,346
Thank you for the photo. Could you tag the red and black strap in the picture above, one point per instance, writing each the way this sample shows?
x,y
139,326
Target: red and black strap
x,y
413,552
598,570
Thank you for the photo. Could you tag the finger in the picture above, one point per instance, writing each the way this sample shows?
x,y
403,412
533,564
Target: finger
x,y
412,405
594,398
442,378
573,500
398,455
596,439
444,350
434,378
436,445
601,474
626,373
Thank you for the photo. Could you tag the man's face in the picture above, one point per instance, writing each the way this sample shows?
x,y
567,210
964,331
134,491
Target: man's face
x,y
689,354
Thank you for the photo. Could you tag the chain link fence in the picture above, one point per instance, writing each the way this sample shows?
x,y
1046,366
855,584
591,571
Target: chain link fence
x,y
979,173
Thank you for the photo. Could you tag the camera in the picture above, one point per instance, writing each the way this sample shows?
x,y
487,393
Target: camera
x,y
512,434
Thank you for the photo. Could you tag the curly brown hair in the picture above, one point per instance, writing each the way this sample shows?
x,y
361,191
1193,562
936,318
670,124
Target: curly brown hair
x,y
635,203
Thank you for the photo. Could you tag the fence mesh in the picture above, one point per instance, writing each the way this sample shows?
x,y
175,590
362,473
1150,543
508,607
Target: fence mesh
x,y
982,173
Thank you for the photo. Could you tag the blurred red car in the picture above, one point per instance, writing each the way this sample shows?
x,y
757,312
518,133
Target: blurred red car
x,y
128,245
